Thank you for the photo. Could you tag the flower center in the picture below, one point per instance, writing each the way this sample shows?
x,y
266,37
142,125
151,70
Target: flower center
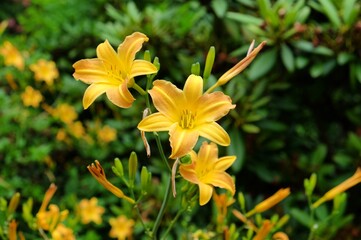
x,y
187,119
115,73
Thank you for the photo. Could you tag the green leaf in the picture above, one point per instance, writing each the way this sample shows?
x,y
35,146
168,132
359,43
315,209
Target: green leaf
x,y
262,64
302,217
250,128
219,7
319,155
330,10
287,58
237,148
349,7
244,18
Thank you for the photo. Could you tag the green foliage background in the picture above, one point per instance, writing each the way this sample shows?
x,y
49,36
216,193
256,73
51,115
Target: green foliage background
x,y
298,104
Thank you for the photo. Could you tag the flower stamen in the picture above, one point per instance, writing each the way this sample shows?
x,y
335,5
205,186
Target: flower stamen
x,y
187,119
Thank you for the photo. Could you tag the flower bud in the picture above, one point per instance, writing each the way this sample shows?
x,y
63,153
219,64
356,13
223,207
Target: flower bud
x,y
186,159
196,69
118,168
144,179
310,184
14,202
156,63
209,63
133,166
147,56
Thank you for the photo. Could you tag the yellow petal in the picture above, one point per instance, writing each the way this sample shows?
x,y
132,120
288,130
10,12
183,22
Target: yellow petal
x,y
188,173
142,67
182,141
131,45
120,96
205,193
106,53
220,179
224,163
213,106
154,123
94,91
90,71
208,153
214,132
168,99
193,88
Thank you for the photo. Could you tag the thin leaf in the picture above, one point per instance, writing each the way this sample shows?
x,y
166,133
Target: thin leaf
x,y
331,12
287,58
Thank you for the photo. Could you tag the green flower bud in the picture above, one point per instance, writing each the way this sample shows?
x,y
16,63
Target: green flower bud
x,y
242,201
185,159
133,166
156,63
14,202
310,184
196,69
147,56
144,179
209,63
118,168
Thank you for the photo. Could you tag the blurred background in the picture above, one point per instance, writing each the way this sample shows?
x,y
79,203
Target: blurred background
x,y
298,104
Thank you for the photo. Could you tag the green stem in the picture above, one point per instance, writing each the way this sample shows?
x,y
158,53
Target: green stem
x,y
139,89
172,223
138,213
162,209
312,213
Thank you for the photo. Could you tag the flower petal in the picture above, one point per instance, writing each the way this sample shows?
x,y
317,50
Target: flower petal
x,y
90,71
193,88
213,106
154,123
130,46
188,173
220,179
214,132
182,140
94,91
142,67
224,163
107,54
167,99
205,193
120,96
208,154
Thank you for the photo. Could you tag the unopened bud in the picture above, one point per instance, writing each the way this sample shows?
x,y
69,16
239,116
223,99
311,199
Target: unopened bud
x,y
196,69
14,202
156,63
209,63
144,179
147,56
118,168
133,166
186,159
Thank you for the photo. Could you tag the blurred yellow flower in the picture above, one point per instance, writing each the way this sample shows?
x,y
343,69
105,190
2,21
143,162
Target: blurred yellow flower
x,y
10,79
12,56
270,202
90,211
122,228
63,111
207,170
342,187
31,97
187,114
61,135
61,232
113,73
48,220
45,71
106,134
222,202
77,129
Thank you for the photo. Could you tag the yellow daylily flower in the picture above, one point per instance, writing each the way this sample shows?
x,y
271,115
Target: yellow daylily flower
x,y
113,73
187,114
207,170
12,56
89,211
45,71
31,97
122,228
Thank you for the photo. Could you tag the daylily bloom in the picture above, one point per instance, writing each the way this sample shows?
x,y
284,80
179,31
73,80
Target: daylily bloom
x,y
90,211
270,202
207,171
12,56
187,114
61,232
122,227
113,73
31,97
342,187
45,71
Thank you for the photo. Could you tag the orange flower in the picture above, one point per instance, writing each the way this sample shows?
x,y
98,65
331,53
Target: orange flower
x,y
113,73
207,170
45,71
122,228
270,202
106,134
187,114
342,187
12,56
31,97
98,173
89,211
61,232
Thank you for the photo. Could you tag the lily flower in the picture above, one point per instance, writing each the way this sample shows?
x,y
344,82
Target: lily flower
x,y
113,73
187,114
208,171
